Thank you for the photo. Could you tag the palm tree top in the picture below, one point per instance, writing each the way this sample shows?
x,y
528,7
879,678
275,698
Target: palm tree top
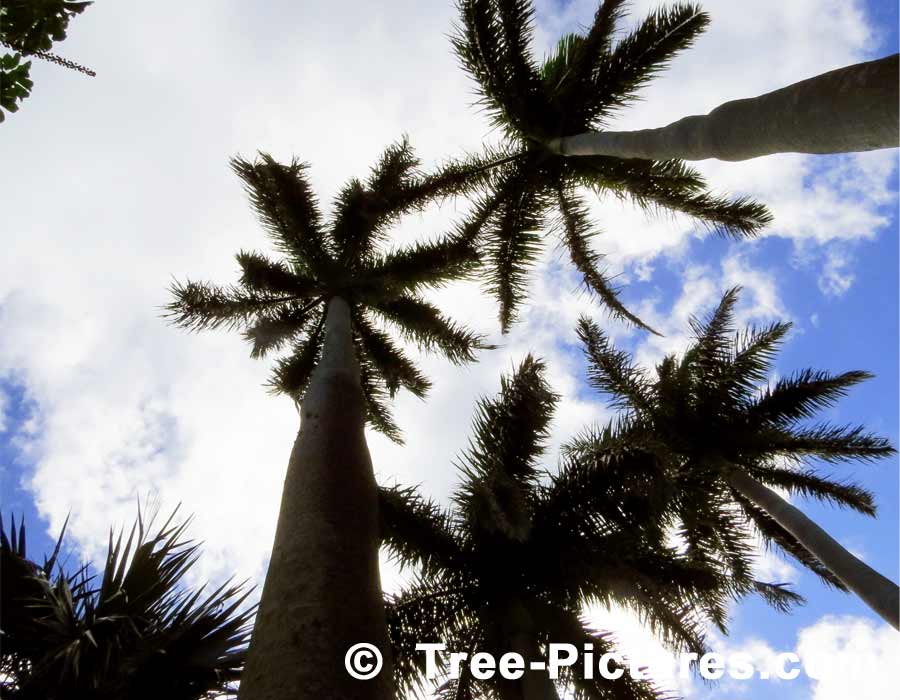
x,y
713,410
282,302
510,554
574,90
132,630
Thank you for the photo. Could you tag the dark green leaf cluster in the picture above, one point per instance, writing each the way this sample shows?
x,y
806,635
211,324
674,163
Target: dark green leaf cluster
x,y
31,26
519,554
714,410
571,92
281,303
133,631
15,83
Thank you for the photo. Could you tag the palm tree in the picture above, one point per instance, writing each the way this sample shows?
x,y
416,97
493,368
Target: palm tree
x,y
327,298
721,443
583,81
511,564
133,632
854,108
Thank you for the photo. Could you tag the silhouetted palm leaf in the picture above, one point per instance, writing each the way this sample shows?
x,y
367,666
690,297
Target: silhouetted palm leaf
x,y
131,631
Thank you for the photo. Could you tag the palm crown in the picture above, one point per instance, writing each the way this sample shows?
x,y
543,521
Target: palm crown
x,y
512,557
283,302
573,91
132,632
708,413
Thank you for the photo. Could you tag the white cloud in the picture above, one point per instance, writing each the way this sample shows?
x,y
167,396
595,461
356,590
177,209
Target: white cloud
x,y
852,657
836,278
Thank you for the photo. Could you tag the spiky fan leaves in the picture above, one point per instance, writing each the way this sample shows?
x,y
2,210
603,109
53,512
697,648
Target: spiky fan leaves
x,y
712,410
578,86
517,553
132,630
281,303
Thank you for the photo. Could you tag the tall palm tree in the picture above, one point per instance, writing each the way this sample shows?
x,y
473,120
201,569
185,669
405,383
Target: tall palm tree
x,y
327,299
134,631
721,443
511,564
850,109
583,81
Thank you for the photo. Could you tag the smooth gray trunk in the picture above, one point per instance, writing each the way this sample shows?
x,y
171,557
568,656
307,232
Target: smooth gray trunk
x,y
323,590
846,110
878,592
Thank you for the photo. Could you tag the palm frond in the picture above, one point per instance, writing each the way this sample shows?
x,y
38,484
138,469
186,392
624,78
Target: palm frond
x,y
291,375
612,371
283,199
645,52
809,484
513,246
283,325
510,431
779,596
565,627
378,413
423,265
417,531
577,236
391,364
137,633
202,306
830,443
801,395
262,275
423,324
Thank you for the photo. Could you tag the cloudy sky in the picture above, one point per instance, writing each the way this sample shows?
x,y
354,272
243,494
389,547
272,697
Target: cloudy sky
x,y
112,186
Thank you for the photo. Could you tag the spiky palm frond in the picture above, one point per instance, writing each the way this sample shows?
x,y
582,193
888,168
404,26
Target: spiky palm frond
x,y
581,83
282,303
417,531
612,371
619,74
577,237
514,560
131,631
705,415
422,323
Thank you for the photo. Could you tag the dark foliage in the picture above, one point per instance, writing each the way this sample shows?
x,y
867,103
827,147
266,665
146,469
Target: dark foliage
x,y
714,410
587,78
518,555
132,631
29,28
281,303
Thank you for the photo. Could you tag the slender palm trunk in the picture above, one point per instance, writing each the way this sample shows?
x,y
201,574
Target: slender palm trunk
x,y
323,591
846,110
878,592
534,684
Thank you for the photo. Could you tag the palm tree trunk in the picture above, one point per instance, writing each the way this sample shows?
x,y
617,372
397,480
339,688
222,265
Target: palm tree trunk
x,y
534,684
846,110
323,591
878,592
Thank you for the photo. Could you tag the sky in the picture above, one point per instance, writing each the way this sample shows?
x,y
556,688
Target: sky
x,y
115,185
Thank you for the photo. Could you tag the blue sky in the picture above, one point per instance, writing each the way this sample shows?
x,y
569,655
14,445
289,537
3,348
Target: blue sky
x,y
103,404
